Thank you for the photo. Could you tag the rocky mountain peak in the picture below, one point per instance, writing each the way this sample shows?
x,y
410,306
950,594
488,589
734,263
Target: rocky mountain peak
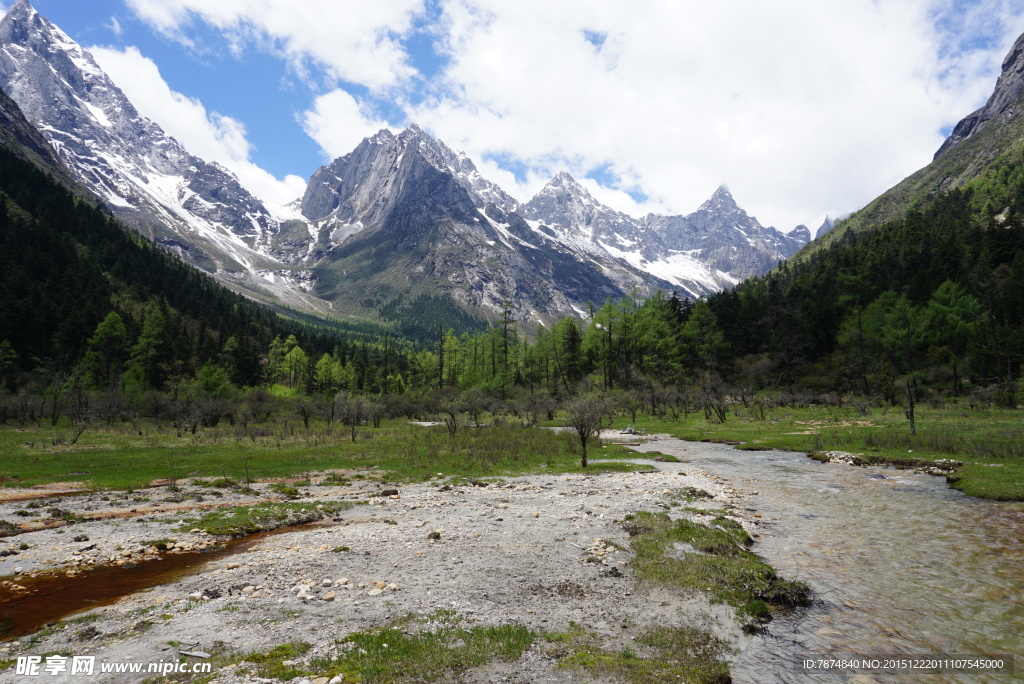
x,y
382,137
128,161
1002,104
825,226
721,200
801,234
22,11
564,184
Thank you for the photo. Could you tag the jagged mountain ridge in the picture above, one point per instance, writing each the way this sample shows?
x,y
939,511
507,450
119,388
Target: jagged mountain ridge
x,y
198,209
399,214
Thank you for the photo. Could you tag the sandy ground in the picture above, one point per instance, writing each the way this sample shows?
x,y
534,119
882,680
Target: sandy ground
x,y
538,551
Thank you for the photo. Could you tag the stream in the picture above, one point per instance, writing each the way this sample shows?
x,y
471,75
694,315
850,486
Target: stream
x,y
899,563
54,597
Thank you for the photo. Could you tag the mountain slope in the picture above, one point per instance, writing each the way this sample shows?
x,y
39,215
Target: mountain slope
x,y
396,220
146,177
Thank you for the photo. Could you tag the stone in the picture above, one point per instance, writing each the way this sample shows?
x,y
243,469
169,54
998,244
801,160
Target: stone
x,y
326,583
341,581
336,680
379,585
194,654
375,592
436,534
329,596
393,587
196,596
249,589
535,514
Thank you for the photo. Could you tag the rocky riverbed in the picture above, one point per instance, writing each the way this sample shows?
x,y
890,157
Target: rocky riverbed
x,y
541,551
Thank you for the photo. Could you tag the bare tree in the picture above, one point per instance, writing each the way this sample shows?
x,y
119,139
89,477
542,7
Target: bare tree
x,y
585,413
351,411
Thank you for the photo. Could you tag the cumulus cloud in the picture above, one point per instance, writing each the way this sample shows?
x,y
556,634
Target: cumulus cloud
x,y
802,107
353,40
208,135
337,122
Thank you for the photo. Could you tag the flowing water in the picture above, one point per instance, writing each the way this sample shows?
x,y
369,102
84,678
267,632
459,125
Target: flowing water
x,y
900,564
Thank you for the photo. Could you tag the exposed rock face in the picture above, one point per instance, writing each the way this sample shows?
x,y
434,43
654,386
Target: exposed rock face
x,y
825,226
1002,105
700,253
17,134
128,161
410,217
725,237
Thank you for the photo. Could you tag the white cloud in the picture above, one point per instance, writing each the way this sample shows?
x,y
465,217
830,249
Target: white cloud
x,y
803,108
337,122
208,135
354,40
115,26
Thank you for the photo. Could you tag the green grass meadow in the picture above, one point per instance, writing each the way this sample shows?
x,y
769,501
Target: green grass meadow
x,y
988,442
119,458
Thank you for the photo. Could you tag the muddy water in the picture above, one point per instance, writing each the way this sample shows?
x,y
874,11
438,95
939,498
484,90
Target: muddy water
x,y
53,597
899,562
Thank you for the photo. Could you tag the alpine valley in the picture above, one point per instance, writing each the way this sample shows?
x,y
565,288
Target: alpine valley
x,y
400,227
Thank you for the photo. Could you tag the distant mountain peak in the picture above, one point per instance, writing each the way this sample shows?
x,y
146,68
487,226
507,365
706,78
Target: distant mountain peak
x,y
721,200
563,182
825,226
22,7
381,137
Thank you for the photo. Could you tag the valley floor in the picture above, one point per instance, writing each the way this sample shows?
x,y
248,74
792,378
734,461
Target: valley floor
x,y
520,579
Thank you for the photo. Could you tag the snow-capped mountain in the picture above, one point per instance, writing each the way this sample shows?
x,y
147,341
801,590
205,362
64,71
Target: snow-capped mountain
x,y
146,177
404,216
400,217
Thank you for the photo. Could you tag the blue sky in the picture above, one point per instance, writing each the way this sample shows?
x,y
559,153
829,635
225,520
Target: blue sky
x,y
803,108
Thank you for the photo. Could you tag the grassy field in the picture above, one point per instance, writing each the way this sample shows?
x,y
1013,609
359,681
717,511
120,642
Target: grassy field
x,y
988,442
119,458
